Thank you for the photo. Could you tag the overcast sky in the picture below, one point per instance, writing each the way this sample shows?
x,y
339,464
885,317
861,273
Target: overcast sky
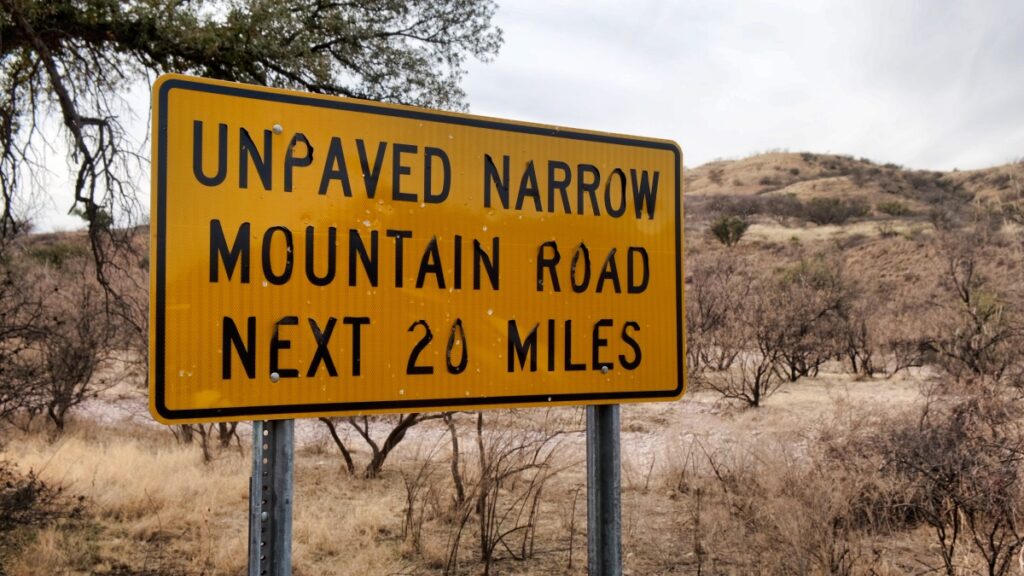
x,y
929,84
926,84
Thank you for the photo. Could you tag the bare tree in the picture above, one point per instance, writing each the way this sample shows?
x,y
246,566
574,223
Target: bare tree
x,y
332,427
21,311
67,65
713,305
74,58
417,482
812,302
755,374
516,466
74,345
962,463
363,425
982,332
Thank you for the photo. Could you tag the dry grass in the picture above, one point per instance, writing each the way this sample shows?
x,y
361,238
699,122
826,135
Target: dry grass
x,y
708,487
154,507
152,501
55,551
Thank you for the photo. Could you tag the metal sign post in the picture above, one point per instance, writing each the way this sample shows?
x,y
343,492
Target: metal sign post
x,y
270,498
604,498
592,218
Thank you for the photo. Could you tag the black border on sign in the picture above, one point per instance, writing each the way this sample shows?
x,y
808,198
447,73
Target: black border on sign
x,y
259,412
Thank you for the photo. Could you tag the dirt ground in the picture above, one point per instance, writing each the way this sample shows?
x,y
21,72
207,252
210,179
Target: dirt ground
x,y
155,508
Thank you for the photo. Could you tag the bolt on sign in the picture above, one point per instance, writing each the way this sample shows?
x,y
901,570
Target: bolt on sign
x,y
315,256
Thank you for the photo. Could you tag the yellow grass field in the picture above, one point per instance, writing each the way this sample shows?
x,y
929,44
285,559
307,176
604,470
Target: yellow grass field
x,y
154,507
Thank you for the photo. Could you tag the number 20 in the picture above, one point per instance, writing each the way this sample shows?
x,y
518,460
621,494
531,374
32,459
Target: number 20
x,y
414,368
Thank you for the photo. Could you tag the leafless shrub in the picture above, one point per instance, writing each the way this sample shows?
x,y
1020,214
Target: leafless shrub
x,y
399,424
205,434
982,332
824,506
782,207
21,310
827,210
962,460
875,338
781,330
504,492
855,339
514,470
753,378
811,303
25,500
226,431
739,206
886,229
954,465
54,332
713,302
903,353
332,427
456,468
196,433
763,508
571,514
417,481
75,344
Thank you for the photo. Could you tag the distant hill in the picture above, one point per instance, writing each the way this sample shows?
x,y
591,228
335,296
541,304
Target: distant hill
x,y
798,190
890,229
805,171
884,221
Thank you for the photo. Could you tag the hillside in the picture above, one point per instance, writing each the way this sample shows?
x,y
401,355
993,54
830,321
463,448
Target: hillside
x,y
886,222
866,326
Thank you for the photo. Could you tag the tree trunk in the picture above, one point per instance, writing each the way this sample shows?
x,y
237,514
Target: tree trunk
x,y
341,446
460,490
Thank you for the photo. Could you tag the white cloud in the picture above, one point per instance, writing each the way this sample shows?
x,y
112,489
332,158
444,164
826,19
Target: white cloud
x,y
927,84
935,84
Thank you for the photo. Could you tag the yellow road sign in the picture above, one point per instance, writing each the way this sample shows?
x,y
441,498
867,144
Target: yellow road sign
x,y
316,255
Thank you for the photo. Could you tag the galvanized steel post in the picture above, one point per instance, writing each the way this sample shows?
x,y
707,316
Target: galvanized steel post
x,y
270,498
604,498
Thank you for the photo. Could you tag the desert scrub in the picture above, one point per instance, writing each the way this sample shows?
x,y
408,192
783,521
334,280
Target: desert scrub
x,y
893,208
833,210
729,229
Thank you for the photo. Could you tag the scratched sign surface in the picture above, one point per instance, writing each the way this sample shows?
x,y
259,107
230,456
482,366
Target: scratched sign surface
x,y
319,256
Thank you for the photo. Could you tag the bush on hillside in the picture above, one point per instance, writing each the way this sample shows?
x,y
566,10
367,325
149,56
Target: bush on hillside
x,y
716,291
25,500
982,329
822,210
959,469
893,208
729,229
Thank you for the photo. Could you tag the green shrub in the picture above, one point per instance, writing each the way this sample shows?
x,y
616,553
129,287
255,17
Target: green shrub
x,y
787,206
729,229
893,208
739,205
833,210
886,230
56,254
